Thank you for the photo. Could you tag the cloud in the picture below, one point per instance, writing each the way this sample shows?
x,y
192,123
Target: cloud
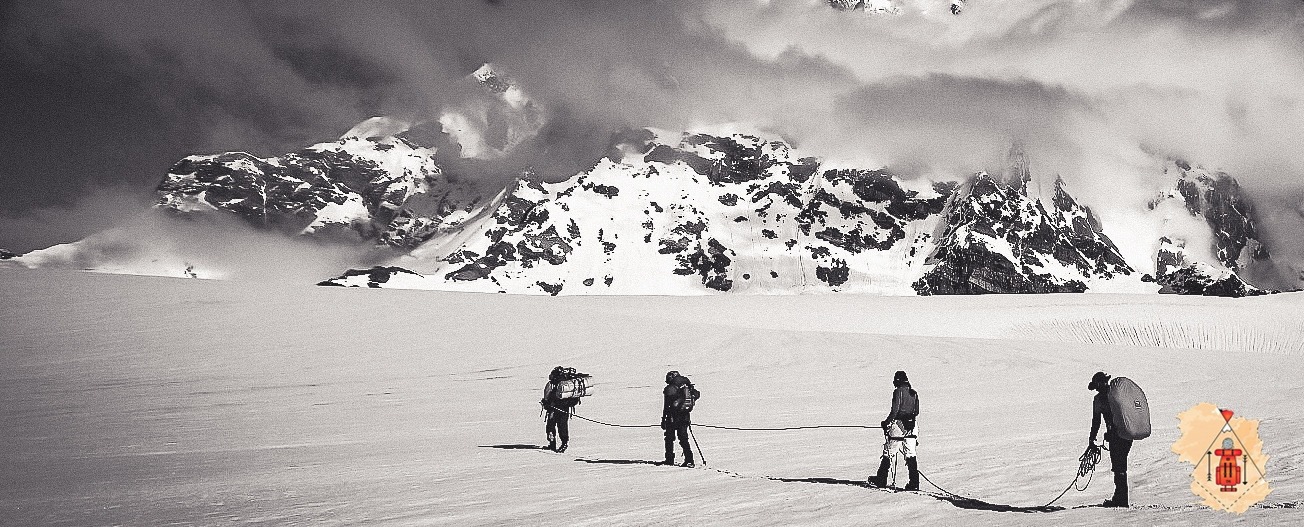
x,y
98,208
115,92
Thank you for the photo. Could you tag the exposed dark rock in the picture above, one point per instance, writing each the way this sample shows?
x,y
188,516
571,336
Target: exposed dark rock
x,y
375,276
1191,281
551,289
991,213
547,246
1176,275
835,274
710,262
606,190
6,254
739,163
868,186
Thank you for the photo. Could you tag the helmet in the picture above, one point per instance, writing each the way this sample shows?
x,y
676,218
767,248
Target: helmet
x,y
556,374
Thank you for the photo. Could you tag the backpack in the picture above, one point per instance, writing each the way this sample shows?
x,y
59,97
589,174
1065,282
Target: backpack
x,y
572,384
1129,411
691,395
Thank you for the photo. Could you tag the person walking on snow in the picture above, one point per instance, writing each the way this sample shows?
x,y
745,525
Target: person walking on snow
x,y
900,432
1118,447
558,411
679,396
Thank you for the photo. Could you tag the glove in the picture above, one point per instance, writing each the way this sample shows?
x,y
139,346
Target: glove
x,y
665,422
885,423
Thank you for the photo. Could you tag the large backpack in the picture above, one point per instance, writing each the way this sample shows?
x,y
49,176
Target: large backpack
x,y
573,384
1129,411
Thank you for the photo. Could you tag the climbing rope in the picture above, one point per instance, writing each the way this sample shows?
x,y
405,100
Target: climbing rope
x,y
1086,467
612,424
786,427
722,427
1086,462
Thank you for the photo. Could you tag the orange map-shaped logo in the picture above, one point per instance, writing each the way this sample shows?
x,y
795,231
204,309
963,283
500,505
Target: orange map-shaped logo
x,y
1228,457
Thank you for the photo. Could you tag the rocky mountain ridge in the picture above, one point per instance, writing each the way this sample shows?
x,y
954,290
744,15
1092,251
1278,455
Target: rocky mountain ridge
x,y
671,213
361,187
742,214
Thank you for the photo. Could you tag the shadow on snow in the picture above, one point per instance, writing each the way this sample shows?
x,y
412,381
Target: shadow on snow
x,y
621,461
516,447
958,501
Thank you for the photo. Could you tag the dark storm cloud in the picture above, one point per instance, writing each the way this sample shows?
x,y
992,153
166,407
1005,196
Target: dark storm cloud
x,y
1221,15
114,92
111,93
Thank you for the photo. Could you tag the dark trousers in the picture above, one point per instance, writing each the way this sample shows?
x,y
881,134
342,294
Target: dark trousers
x,y
682,431
558,426
1118,450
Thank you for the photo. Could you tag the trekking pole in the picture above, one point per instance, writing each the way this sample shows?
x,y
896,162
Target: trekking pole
x,y
699,447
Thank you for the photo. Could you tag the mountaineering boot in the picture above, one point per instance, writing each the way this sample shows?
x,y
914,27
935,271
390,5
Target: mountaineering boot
x,y
562,449
1120,491
688,459
552,445
913,465
670,459
880,479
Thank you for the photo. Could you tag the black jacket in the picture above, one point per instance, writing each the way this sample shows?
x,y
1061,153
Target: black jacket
x,y
905,403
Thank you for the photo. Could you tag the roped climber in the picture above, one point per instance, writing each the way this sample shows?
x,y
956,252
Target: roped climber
x,y
901,432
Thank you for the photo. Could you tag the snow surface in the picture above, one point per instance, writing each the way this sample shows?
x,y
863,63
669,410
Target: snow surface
x,y
150,401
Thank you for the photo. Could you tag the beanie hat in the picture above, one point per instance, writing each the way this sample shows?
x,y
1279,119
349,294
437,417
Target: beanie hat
x,y
900,378
670,376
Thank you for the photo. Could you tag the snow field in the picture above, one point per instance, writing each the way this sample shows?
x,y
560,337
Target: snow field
x,y
144,400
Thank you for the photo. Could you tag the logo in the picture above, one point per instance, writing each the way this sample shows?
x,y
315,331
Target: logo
x,y
1228,457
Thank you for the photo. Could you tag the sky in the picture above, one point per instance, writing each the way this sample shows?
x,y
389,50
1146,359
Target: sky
x,y
100,98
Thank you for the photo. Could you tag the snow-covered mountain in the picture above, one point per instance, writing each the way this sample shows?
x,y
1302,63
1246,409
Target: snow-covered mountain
x,y
1209,243
374,183
689,213
663,213
885,6
696,213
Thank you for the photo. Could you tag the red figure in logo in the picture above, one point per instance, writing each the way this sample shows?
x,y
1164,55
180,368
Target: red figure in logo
x,y
1229,472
